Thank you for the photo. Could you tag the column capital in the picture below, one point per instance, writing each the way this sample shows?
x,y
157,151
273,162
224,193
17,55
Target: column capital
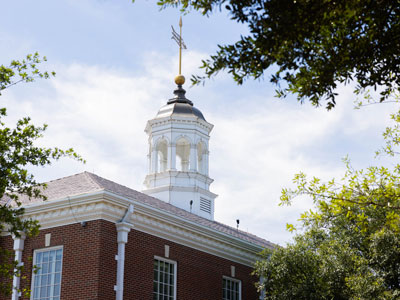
x,y
19,241
123,228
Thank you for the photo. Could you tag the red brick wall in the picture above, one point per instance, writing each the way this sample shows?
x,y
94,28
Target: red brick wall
x,y
81,259
199,274
89,266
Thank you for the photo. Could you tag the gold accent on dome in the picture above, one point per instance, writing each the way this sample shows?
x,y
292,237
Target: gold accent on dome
x,y
179,79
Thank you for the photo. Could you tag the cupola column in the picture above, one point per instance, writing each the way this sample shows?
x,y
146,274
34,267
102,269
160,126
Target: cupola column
x,y
193,157
205,163
154,160
149,162
172,156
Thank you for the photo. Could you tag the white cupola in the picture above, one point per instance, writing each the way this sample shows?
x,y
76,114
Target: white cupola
x,y
178,156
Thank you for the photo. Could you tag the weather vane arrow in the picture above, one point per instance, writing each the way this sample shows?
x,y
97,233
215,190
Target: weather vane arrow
x,y
178,39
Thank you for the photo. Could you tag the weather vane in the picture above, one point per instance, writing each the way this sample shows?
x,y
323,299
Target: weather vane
x,y
180,79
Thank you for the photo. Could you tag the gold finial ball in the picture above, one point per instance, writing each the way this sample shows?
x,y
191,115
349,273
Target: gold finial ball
x,y
180,79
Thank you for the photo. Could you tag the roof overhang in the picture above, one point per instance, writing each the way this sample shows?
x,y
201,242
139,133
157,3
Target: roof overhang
x,y
104,205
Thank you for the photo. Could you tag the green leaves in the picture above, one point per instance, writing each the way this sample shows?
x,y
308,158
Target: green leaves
x,y
349,243
18,151
25,70
314,45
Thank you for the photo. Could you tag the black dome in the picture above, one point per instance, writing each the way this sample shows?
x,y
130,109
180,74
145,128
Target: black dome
x,y
178,108
179,105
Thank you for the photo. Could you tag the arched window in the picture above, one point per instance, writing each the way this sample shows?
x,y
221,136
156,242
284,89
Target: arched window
x,y
182,154
162,155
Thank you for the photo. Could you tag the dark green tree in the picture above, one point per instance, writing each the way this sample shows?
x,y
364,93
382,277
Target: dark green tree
x,y
17,152
312,45
349,243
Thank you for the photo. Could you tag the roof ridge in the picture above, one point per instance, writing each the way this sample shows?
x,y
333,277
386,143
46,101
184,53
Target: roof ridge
x,y
93,179
65,177
248,234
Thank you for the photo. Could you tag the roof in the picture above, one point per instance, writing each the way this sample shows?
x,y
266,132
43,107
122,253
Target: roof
x,y
179,105
179,109
86,182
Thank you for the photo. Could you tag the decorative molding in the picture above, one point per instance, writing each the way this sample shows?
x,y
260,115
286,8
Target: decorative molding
x,y
180,174
180,189
112,207
180,120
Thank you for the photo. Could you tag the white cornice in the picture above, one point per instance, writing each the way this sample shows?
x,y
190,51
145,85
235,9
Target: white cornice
x,y
182,120
111,207
179,189
183,174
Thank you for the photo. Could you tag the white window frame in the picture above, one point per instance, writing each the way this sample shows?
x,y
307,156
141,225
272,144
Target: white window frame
x,y
175,271
35,252
234,280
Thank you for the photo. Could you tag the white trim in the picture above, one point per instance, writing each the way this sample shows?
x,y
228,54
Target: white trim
x,y
180,188
35,252
18,250
112,207
156,122
172,262
166,251
123,228
233,271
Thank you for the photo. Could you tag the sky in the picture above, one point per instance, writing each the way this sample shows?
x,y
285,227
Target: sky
x,y
115,64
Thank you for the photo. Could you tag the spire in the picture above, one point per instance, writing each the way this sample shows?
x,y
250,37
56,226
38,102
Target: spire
x,y
179,97
178,151
179,92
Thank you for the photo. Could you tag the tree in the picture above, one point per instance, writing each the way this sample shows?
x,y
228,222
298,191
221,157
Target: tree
x,y
350,244
313,44
17,152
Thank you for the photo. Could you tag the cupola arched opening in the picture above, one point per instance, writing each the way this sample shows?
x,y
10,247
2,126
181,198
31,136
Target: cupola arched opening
x,y
182,154
162,155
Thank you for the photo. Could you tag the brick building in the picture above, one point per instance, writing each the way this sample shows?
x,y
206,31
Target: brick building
x,y
102,240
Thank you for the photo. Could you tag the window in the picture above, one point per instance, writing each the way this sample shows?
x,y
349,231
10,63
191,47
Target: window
x,y
231,289
164,282
46,283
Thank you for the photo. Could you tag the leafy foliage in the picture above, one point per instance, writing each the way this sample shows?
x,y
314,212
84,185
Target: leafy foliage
x,y
25,70
17,152
349,247
314,45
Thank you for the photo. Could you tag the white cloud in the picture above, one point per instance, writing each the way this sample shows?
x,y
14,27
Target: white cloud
x,y
257,144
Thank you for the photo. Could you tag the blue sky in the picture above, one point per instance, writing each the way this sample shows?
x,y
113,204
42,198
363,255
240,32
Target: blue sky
x,y
115,63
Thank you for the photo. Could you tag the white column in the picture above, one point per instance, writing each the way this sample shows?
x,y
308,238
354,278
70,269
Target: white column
x,y
18,248
123,229
149,163
205,162
168,157
173,156
154,160
193,158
